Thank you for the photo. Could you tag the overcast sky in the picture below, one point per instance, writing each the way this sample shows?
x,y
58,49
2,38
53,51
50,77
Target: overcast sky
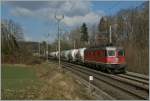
x,y
37,17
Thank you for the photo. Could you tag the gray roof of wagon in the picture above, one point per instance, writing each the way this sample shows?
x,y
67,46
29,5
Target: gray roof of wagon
x,y
102,48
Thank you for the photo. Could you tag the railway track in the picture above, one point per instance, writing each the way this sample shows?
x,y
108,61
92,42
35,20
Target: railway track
x,y
121,86
143,81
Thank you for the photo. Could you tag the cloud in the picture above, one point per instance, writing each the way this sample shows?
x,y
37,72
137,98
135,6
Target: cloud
x,y
31,5
68,7
76,12
27,38
89,18
18,11
75,8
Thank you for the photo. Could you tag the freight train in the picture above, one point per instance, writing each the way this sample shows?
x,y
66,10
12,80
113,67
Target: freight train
x,y
109,59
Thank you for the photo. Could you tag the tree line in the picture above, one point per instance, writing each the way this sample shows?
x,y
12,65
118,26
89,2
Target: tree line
x,y
130,29
14,49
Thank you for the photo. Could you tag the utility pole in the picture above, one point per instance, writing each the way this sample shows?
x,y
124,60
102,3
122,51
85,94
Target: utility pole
x,y
110,41
56,48
74,44
47,36
47,50
58,21
47,46
39,48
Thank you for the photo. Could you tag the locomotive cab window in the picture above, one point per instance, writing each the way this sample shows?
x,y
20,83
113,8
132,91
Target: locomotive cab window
x,y
121,53
111,53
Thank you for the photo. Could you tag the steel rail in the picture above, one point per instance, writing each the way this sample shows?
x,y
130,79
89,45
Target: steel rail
x,y
80,75
137,75
116,77
85,76
143,81
90,72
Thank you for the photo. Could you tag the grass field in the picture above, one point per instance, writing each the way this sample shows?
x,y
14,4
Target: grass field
x,y
17,77
39,82
17,80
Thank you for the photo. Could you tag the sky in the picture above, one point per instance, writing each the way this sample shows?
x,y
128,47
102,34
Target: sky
x,y
37,18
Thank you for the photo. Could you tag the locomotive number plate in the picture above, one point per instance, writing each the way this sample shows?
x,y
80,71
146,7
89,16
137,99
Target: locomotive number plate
x,y
116,59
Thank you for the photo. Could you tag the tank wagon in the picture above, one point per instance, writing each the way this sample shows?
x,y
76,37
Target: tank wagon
x,y
72,55
80,55
66,55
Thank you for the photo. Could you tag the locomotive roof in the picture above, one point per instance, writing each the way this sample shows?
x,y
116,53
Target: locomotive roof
x,y
103,48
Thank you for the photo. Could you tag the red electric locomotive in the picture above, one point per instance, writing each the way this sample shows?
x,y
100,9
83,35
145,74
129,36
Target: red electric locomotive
x,y
108,58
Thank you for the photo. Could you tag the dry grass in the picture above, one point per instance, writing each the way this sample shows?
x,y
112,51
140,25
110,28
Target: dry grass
x,y
51,85
60,85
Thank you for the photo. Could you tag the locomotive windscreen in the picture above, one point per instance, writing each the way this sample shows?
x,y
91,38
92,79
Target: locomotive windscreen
x,y
111,53
121,53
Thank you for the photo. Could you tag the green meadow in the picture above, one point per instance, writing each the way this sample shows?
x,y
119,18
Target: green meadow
x,y
17,81
17,77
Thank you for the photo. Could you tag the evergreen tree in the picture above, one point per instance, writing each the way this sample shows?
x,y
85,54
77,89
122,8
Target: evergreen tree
x,y
84,33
